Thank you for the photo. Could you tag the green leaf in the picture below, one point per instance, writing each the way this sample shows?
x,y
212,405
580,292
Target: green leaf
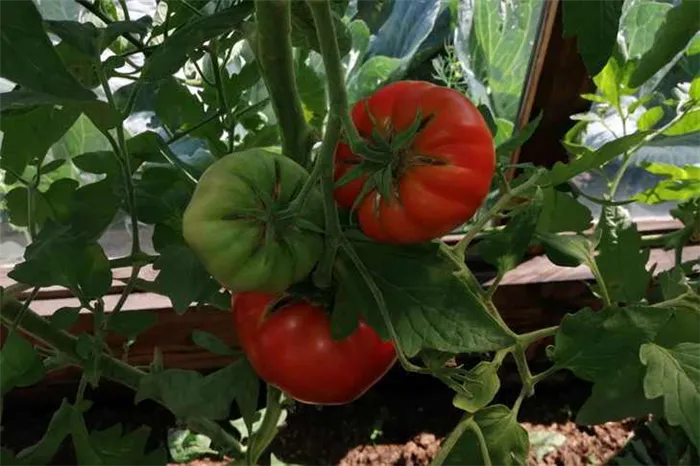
x,y
162,196
506,248
506,440
371,76
478,388
304,30
688,123
507,147
694,91
188,393
169,57
212,343
681,23
680,183
182,277
80,138
650,118
29,134
495,47
130,324
58,429
20,364
429,305
674,374
56,258
112,446
65,317
621,259
566,251
595,24
28,58
639,25
314,102
561,212
562,172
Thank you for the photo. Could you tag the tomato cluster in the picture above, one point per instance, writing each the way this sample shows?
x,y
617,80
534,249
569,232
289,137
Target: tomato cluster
x,y
425,168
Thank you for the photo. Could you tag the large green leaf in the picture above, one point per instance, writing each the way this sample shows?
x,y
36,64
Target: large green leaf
x,y
372,74
640,23
674,374
561,212
680,25
494,42
429,306
113,446
679,183
20,364
28,58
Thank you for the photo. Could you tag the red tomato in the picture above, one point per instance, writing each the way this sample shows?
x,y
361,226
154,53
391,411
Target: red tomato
x,y
438,180
292,349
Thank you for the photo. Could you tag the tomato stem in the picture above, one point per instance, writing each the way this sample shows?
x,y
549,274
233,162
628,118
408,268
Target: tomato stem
x,y
268,428
273,50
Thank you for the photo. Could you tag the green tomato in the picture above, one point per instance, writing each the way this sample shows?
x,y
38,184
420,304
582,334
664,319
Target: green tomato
x,y
239,223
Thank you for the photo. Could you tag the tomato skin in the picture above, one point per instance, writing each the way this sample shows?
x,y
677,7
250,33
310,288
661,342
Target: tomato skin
x,y
236,223
430,200
292,349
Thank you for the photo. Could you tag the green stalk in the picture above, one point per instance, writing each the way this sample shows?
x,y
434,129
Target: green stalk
x,y
275,58
111,368
268,428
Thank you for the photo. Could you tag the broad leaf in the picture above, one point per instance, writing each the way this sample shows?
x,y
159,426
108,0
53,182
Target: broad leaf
x,y
561,212
595,24
28,58
494,45
506,440
567,250
505,148
679,183
621,259
58,429
313,101
479,387
429,305
162,195
674,374
20,364
80,138
681,23
113,446
372,75
130,324
650,118
688,123
640,24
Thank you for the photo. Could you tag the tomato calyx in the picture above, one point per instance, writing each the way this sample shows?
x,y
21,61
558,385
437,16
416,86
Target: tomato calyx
x,y
392,154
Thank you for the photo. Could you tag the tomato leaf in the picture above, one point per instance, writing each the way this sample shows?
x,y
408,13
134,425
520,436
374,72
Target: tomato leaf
x,y
505,249
182,277
58,429
650,118
688,123
304,31
188,393
621,258
130,324
478,388
162,196
112,446
506,440
20,364
169,57
28,57
674,374
505,148
561,212
372,74
680,25
212,343
65,317
429,306
567,251
595,24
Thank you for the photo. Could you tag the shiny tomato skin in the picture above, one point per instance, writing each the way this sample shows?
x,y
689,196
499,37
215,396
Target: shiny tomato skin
x,y
430,200
292,349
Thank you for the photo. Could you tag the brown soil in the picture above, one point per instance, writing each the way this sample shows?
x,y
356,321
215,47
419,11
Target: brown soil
x,y
401,421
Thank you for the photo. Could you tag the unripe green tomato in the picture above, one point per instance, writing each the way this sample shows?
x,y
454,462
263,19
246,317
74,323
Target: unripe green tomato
x,y
239,224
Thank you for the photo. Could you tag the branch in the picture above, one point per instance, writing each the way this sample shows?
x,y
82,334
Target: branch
x,y
274,55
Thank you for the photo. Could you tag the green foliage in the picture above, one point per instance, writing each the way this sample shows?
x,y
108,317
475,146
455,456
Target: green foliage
x,y
20,364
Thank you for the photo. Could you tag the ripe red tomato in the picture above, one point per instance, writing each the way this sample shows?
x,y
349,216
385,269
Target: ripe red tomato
x,y
292,349
437,181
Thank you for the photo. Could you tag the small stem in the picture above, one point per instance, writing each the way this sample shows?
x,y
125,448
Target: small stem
x,y
461,247
126,261
494,285
218,81
268,428
601,282
25,306
92,8
537,378
527,339
190,130
201,73
122,3
273,50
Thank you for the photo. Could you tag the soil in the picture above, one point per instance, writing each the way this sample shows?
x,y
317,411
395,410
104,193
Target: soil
x,y
401,421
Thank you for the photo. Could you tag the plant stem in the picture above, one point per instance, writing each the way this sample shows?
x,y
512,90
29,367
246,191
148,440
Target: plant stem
x,y
467,423
268,428
528,338
276,60
92,8
111,368
461,247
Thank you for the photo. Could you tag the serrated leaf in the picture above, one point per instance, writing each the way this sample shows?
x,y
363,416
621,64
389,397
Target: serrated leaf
x,y
28,57
114,447
478,388
562,172
430,307
130,324
171,55
20,364
561,212
212,343
506,440
182,277
650,118
506,248
680,183
621,259
681,23
65,317
595,25
58,429
674,374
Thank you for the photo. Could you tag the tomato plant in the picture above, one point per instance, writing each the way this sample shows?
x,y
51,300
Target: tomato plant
x,y
297,166
430,175
290,346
